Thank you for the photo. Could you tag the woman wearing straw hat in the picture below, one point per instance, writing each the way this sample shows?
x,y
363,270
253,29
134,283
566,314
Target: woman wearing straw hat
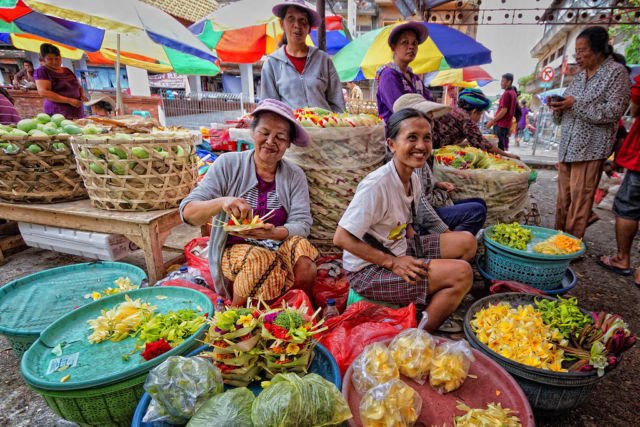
x,y
396,78
297,74
264,262
101,105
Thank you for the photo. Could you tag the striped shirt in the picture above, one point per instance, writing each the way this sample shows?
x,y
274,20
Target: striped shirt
x,y
8,113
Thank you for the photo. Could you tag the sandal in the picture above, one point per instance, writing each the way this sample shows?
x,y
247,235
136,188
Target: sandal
x,y
450,326
605,262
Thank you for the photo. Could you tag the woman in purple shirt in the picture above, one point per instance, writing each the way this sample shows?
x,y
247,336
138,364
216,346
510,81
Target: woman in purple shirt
x,y
58,85
396,78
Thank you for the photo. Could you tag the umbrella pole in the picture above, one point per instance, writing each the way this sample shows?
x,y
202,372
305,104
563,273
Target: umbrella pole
x,y
119,108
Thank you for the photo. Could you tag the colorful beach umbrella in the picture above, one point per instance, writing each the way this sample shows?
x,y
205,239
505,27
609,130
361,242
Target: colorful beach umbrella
x,y
466,77
445,48
148,37
244,31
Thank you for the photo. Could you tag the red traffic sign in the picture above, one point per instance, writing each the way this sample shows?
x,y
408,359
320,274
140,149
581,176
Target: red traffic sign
x,y
547,74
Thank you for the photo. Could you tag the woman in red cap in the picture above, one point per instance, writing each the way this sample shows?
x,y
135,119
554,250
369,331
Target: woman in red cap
x,y
396,78
264,262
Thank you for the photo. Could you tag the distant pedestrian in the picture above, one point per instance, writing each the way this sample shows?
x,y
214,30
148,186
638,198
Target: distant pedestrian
x,y
506,111
523,122
626,205
356,92
588,114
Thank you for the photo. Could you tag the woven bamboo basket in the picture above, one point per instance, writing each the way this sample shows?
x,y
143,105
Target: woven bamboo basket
x,y
48,176
119,176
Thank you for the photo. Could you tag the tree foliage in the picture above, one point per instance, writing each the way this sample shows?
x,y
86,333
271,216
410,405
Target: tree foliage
x,y
628,34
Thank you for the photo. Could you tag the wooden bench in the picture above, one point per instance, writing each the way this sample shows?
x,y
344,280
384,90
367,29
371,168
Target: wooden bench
x,y
148,230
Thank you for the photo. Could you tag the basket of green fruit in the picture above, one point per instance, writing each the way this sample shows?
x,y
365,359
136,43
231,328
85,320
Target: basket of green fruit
x,y
524,254
138,172
36,161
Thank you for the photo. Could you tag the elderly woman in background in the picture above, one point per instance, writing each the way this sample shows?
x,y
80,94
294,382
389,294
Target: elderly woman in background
x,y
101,105
265,262
58,85
589,112
297,74
396,78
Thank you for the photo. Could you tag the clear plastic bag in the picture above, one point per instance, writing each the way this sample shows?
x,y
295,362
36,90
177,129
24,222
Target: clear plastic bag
x,y
412,350
290,400
374,366
178,387
393,403
229,409
450,367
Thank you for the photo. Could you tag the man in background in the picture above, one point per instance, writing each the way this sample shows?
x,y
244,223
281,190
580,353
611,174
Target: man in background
x,y
506,111
356,92
24,78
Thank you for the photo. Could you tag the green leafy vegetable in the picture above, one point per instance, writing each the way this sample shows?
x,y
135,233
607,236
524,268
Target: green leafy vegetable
x,y
512,235
564,315
174,327
229,409
289,319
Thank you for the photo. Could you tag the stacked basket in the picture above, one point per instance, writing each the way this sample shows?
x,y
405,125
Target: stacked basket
x,y
38,169
137,172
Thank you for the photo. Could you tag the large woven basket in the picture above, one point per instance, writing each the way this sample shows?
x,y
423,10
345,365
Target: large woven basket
x,y
48,176
118,179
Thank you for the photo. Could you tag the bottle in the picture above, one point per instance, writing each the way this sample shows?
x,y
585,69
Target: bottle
x,y
220,305
330,310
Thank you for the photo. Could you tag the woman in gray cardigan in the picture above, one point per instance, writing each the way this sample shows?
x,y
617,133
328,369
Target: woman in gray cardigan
x,y
265,262
297,74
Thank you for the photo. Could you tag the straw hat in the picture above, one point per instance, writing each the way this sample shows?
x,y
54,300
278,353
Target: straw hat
x,y
417,27
280,9
96,97
417,101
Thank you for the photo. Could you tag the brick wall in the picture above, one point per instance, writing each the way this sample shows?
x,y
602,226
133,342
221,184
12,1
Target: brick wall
x,y
29,103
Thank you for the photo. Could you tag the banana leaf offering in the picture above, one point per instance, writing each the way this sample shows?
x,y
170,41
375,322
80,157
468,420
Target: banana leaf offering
x,y
475,158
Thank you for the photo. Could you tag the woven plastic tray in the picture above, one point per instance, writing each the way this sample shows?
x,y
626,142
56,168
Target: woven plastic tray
x,y
31,303
323,364
102,364
539,234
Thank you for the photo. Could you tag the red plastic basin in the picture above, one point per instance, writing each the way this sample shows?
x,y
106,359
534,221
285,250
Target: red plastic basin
x,y
493,384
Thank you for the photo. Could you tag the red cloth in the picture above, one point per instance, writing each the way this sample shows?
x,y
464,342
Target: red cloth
x,y
297,62
629,154
507,100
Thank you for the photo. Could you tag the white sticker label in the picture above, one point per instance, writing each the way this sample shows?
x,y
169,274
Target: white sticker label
x,y
63,363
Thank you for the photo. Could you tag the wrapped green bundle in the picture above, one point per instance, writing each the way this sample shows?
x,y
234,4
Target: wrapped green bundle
x,y
289,399
229,409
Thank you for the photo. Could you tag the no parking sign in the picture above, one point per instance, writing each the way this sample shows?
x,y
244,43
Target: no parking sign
x,y
547,74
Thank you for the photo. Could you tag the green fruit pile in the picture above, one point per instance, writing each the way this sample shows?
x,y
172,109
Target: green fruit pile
x,y
45,125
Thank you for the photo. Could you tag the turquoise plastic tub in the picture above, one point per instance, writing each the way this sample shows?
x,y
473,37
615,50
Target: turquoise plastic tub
x,y
541,271
102,388
31,303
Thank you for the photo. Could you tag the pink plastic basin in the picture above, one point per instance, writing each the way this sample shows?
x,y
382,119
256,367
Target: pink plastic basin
x,y
493,384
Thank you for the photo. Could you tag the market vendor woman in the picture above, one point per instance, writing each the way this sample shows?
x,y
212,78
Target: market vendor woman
x,y
396,78
267,262
58,85
297,74
384,258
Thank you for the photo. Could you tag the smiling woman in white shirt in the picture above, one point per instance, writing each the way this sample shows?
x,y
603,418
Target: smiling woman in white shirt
x,y
384,257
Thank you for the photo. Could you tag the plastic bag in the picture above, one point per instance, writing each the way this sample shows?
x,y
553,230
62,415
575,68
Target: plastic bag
x,y
295,298
292,401
412,350
178,387
361,324
331,282
373,367
506,193
450,367
229,409
201,262
501,286
393,403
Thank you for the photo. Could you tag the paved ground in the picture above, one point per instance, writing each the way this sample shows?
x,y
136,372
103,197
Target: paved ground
x,y
614,402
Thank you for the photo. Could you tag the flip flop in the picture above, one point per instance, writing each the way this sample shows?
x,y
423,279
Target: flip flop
x,y
450,326
608,266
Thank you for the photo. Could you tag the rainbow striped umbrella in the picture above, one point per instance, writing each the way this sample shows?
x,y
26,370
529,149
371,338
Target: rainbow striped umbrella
x,y
460,77
244,31
444,49
139,34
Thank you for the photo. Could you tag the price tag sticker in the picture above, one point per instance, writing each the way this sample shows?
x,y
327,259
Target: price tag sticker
x,y
63,363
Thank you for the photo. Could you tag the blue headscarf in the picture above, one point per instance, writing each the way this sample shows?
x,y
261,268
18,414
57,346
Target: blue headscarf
x,y
473,99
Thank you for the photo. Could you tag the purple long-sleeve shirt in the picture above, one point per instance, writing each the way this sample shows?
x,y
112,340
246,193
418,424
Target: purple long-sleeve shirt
x,y
392,84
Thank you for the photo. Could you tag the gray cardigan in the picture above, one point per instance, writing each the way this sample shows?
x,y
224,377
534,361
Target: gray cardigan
x,y
233,175
317,86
